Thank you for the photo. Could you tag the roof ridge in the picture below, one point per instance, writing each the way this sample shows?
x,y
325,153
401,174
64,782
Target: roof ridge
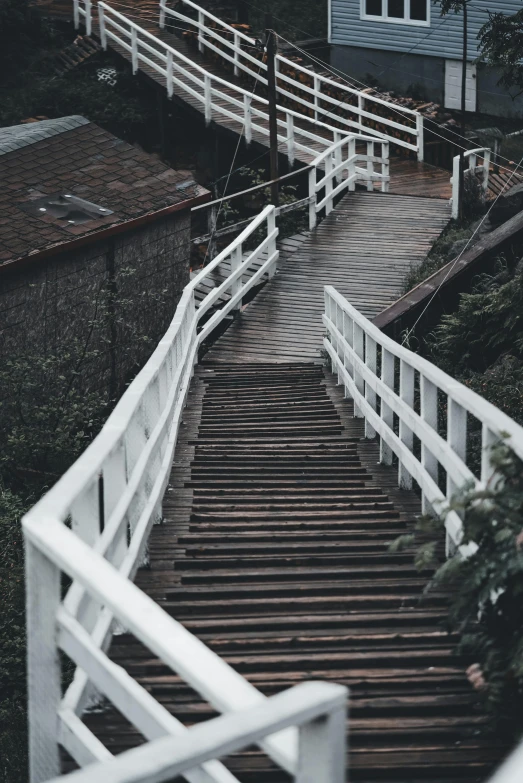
x,y
15,137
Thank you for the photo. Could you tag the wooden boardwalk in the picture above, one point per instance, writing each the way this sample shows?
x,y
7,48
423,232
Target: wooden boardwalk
x,y
364,248
274,552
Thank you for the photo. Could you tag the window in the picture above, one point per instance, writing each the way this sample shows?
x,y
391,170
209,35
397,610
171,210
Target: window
x,y
415,12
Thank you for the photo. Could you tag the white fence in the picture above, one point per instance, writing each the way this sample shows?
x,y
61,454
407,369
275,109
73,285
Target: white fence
x,y
471,171
318,710
389,384
222,101
110,498
350,112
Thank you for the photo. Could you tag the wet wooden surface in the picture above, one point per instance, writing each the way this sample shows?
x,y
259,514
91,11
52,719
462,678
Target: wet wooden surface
x,y
364,248
274,552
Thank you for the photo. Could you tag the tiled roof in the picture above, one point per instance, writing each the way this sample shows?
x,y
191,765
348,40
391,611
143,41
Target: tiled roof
x,y
74,156
18,136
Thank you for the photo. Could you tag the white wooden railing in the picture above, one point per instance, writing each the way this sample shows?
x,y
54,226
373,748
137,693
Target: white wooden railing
x,y
318,710
222,100
338,171
109,499
472,170
386,381
351,112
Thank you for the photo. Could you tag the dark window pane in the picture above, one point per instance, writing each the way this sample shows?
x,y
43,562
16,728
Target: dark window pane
x,y
397,9
373,7
418,10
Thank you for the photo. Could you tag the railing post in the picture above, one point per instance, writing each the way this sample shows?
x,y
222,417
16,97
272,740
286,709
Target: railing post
x,y
237,47
455,188
272,249
290,138
370,165
359,350
201,38
43,663
208,98
488,439
370,394
348,335
338,155
88,18
406,436
420,137
317,91
76,15
247,118
161,22
457,440
115,480
236,262
385,166
486,170
85,515
134,49
351,166
387,416
101,24
429,414
169,74
322,749
361,109
328,185
312,197
212,216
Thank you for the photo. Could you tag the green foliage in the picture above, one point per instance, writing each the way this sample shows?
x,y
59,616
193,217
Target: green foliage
x,y
481,343
451,6
122,109
486,589
444,249
13,730
310,22
501,40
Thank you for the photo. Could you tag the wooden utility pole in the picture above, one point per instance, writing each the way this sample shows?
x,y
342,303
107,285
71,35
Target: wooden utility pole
x,y
273,118
463,109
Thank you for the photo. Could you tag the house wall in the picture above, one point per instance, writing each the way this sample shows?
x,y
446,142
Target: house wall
x,y
443,38
116,297
404,57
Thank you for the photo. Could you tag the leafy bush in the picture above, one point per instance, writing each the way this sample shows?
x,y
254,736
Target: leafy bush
x,y
486,590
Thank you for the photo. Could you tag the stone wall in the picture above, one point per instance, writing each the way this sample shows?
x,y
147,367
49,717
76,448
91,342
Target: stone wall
x,y
116,297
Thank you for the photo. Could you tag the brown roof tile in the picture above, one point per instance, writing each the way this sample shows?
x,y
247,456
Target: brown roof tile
x,y
90,163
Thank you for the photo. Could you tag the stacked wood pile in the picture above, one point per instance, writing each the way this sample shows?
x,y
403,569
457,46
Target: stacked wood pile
x,y
82,48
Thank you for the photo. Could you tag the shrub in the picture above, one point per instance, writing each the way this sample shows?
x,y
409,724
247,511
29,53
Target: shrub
x,y
486,590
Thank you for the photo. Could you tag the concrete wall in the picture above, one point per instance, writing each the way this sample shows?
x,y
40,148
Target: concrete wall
x,y
116,297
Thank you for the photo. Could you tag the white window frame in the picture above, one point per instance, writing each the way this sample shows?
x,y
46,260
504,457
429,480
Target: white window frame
x,y
392,19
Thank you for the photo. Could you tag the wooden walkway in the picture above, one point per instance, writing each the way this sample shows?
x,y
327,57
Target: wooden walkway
x,y
364,248
274,552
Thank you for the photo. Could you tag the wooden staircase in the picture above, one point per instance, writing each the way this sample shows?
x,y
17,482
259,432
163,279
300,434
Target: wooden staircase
x,y
274,552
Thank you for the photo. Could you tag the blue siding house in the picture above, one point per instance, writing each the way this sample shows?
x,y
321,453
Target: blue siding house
x,y
409,47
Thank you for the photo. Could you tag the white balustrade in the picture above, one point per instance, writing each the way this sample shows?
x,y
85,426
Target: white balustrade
x,y
356,348
317,709
471,171
339,171
121,479
242,52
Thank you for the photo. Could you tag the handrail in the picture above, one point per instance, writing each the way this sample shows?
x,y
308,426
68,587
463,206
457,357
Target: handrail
x,y
483,152
177,69
112,495
318,709
314,99
356,348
